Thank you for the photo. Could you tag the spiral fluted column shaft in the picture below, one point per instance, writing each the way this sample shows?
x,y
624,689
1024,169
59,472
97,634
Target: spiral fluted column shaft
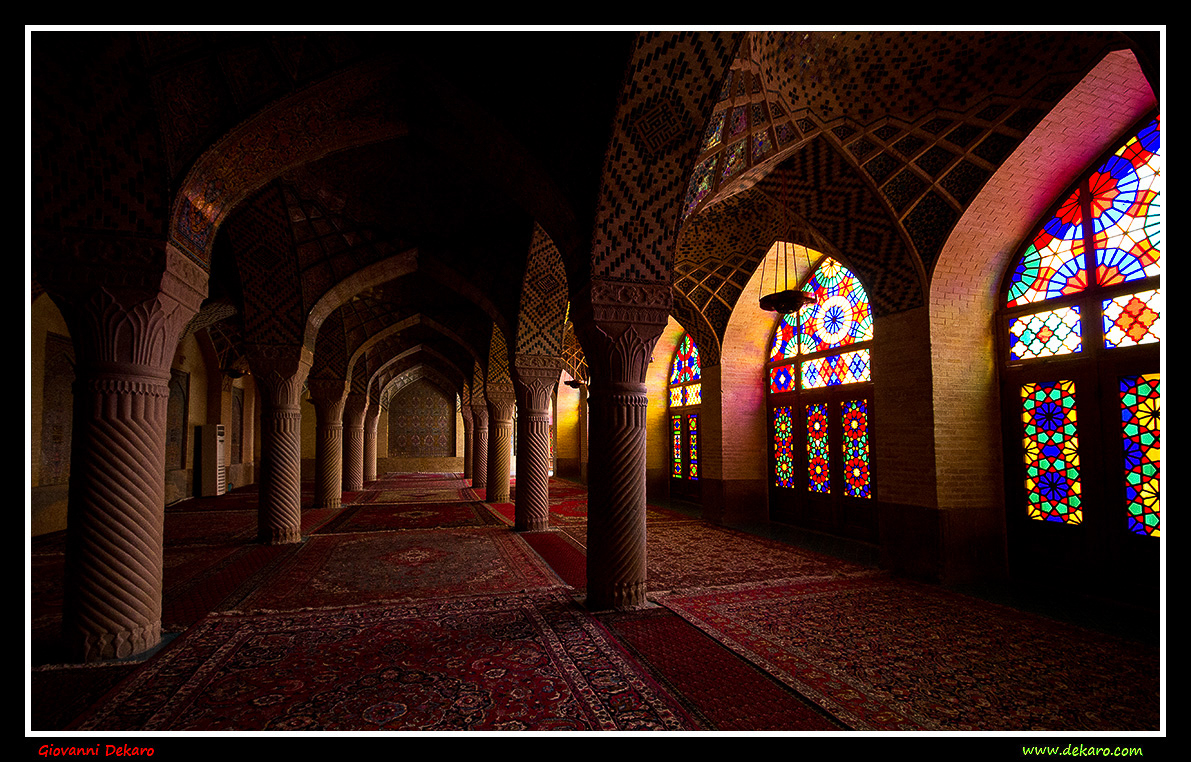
x,y
328,456
112,606
535,380
353,442
616,497
479,449
280,373
467,443
279,518
532,510
371,419
500,446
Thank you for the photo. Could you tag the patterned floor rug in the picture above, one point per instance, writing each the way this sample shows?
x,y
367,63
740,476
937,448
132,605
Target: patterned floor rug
x,y
885,654
377,517
341,569
524,662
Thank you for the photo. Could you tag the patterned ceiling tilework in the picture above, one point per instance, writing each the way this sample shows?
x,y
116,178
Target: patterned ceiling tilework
x,y
819,186
675,81
227,337
477,382
498,359
881,96
543,299
96,159
329,246
262,239
572,354
330,348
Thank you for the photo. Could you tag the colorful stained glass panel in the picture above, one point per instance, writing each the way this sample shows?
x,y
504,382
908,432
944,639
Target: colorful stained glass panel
x,y
1132,319
685,367
693,445
1053,264
818,454
847,368
784,339
675,396
841,314
1125,193
676,455
1051,452
783,447
781,379
855,439
1141,423
694,394
1045,334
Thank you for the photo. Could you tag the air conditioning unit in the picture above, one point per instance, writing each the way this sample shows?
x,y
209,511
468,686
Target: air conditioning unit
x,y
211,471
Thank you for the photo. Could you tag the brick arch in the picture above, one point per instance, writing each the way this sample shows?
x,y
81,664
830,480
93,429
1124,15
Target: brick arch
x,y
967,277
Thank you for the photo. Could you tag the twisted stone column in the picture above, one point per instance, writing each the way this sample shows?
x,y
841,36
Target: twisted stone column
x,y
501,406
280,373
125,327
328,397
371,419
620,323
479,449
465,411
534,381
353,441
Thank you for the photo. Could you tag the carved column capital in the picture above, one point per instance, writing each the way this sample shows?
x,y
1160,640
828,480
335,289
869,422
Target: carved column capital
x,y
619,323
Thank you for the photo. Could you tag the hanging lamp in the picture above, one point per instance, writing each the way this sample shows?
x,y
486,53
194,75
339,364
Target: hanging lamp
x,y
788,300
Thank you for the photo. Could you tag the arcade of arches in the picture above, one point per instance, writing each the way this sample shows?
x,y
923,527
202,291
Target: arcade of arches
x,y
257,256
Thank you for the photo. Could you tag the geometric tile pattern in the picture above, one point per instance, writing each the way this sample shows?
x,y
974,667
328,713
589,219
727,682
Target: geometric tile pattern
x,y
809,108
655,137
544,299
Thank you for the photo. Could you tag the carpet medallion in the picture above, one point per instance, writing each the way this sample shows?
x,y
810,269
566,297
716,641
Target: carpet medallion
x,y
342,569
524,662
381,518
885,654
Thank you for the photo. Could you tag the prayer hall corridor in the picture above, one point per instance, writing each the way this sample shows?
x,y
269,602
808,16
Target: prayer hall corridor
x,y
416,607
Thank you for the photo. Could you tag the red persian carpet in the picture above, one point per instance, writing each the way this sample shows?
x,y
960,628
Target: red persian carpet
x,y
342,569
377,517
880,653
524,662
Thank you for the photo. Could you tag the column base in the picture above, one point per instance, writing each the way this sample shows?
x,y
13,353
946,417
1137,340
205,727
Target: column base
x,y
284,536
104,646
621,595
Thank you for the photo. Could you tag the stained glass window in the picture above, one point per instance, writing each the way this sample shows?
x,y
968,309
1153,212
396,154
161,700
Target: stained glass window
x,y
818,452
686,393
783,446
676,454
855,435
823,353
1085,292
1141,408
1051,444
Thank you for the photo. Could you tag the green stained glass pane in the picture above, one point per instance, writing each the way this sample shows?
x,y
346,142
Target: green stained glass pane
x,y
1050,444
1045,334
1141,428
